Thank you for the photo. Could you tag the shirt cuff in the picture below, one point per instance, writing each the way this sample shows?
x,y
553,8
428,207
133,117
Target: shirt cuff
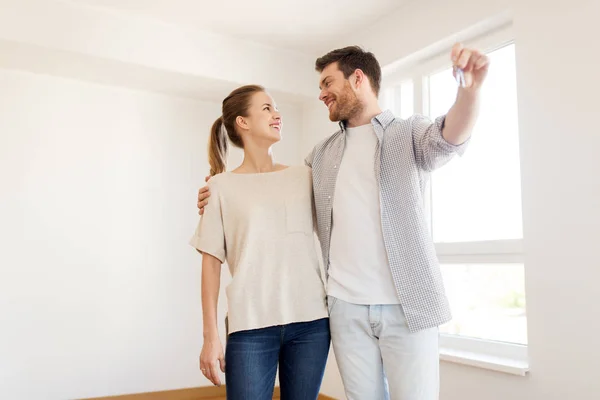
x,y
447,146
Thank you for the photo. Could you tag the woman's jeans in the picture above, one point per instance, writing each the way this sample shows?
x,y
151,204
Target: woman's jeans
x,y
300,349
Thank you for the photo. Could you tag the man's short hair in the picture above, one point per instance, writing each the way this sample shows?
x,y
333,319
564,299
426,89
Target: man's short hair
x,y
350,59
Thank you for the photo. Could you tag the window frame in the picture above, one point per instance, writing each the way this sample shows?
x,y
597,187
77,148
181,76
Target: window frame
x,y
499,356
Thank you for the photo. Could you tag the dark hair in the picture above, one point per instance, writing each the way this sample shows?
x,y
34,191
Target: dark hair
x,y
350,59
234,105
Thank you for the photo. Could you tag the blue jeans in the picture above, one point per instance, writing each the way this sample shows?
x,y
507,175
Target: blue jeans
x,y
300,349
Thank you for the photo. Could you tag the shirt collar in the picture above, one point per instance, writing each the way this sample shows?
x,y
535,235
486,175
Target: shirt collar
x,y
380,123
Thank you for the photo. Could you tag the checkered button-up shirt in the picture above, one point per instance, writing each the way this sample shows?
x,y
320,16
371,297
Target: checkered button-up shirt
x,y
407,151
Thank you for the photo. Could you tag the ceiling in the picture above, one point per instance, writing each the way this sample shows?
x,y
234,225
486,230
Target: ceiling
x,y
307,26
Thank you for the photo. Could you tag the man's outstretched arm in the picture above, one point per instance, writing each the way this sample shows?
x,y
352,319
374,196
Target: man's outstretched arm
x,y
436,143
462,117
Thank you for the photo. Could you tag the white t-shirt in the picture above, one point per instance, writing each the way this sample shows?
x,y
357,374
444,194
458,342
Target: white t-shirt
x,y
359,270
262,225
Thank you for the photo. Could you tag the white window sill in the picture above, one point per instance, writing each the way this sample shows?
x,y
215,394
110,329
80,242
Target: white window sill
x,y
504,357
478,360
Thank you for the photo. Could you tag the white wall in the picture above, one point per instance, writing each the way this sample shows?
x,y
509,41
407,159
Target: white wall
x,y
315,123
557,66
99,290
104,39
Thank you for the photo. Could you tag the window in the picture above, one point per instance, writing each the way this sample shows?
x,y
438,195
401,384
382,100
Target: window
x,y
488,301
400,99
474,204
477,198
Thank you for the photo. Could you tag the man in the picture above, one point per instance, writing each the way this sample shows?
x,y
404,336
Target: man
x,y
385,292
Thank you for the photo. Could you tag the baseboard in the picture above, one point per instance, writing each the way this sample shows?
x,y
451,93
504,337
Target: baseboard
x,y
178,394
205,392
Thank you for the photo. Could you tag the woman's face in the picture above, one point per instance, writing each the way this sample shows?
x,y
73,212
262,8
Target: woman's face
x,y
263,123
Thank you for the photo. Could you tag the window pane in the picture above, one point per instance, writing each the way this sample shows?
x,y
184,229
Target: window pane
x,y
387,98
478,196
399,99
487,301
407,100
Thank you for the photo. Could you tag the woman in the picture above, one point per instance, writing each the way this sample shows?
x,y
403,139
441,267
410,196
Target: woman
x,y
260,221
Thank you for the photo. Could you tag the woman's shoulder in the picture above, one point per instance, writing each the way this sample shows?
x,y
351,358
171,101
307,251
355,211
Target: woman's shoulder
x,y
218,181
298,169
301,169
215,179
300,173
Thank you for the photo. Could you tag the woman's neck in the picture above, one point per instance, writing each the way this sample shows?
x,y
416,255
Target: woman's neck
x,y
258,161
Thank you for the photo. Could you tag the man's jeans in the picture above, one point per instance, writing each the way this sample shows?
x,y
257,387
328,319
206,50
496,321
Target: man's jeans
x,y
372,343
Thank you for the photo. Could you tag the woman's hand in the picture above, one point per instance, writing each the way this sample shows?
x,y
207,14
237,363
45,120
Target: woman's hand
x,y
211,355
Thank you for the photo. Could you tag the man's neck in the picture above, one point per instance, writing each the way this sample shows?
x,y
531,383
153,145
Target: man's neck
x,y
365,117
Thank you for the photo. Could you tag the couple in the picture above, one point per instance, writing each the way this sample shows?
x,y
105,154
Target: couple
x,y
362,192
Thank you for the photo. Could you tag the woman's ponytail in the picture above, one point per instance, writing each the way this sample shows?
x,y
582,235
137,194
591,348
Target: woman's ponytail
x,y
217,148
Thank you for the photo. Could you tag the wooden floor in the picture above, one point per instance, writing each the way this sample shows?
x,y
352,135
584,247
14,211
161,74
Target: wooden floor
x,y
276,396
321,397
200,393
225,398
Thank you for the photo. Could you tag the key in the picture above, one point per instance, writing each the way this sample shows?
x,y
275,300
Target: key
x,y
460,76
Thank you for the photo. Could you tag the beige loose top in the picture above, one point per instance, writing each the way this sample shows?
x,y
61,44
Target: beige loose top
x,y
262,226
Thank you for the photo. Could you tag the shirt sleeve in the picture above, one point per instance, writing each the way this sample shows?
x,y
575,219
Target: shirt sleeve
x,y
431,149
308,161
209,237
